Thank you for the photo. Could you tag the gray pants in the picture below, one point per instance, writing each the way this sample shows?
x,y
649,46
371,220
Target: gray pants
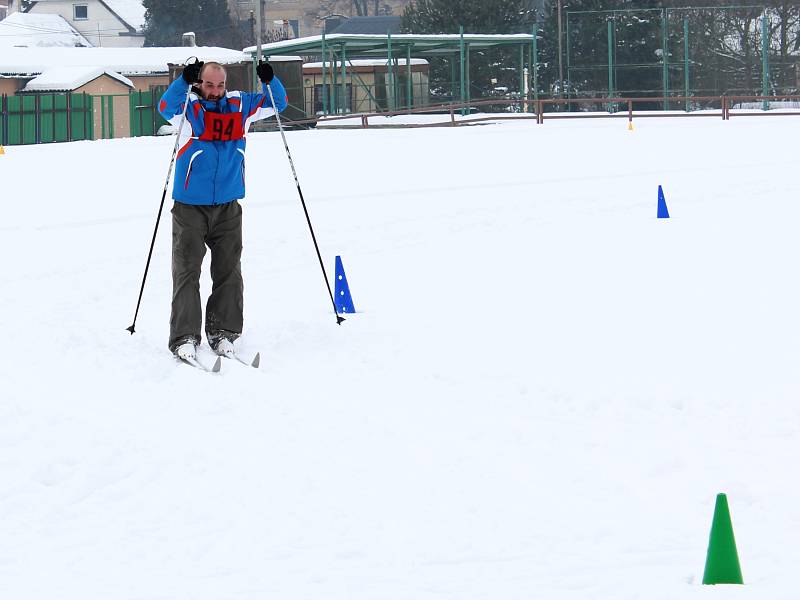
x,y
193,228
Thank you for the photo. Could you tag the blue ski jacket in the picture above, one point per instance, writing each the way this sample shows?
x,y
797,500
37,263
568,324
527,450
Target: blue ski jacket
x,y
209,168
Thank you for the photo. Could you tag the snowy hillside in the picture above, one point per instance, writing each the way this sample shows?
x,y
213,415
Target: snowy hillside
x,y
543,391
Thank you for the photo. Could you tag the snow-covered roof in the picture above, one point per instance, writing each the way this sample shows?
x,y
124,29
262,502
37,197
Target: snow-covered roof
x,y
39,30
366,63
130,11
127,61
65,79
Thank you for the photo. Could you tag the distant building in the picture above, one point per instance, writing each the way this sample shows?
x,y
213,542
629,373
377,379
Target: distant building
x,y
303,18
380,25
3,9
105,23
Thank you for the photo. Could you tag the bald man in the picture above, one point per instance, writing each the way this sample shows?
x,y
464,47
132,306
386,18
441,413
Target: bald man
x,y
209,182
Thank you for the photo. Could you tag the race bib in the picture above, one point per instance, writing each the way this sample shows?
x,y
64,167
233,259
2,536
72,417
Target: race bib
x,y
222,127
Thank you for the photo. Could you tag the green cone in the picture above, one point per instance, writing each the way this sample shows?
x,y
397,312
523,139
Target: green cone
x,y
722,561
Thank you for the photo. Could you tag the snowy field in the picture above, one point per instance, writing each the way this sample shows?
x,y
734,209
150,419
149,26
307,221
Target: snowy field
x,y
541,394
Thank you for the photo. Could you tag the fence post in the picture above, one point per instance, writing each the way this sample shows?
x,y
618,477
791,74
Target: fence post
x,y
102,117
37,118
4,119
111,117
69,116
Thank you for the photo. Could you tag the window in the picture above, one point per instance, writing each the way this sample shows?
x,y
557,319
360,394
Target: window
x,y
80,12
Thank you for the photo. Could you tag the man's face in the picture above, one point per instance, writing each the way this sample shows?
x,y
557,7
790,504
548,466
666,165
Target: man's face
x,y
213,86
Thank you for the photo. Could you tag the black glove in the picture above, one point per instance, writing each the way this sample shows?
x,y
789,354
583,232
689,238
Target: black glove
x,y
191,72
265,72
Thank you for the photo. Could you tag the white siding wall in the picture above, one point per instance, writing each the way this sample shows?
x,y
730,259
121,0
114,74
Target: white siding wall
x,y
102,28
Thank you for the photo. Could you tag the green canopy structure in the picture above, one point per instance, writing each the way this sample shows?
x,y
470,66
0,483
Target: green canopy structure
x,y
336,49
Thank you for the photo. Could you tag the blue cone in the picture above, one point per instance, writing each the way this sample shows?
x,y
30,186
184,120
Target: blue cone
x,y
344,302
663,213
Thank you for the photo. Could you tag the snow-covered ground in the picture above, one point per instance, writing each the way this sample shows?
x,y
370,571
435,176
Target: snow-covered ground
x,y
543,391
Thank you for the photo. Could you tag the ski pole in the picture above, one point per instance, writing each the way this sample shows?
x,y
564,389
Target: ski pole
x,y
305,209
132,328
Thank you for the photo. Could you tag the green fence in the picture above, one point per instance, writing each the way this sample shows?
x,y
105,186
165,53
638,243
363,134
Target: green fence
x,y
144,115
43,118
686,52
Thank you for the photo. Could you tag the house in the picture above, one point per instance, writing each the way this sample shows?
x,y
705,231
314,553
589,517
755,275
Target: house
x,y
105,23
379,25
26,30
302,18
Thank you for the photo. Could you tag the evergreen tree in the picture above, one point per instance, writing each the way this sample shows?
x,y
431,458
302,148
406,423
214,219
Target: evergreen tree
x,y
167,20
475,16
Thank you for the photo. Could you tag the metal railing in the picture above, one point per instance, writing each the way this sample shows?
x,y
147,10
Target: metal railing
x,y
459,113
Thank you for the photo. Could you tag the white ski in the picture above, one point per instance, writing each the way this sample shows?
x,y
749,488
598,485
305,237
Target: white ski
x,y
194,362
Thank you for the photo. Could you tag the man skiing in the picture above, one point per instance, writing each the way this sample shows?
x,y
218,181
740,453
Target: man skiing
x,y
209,182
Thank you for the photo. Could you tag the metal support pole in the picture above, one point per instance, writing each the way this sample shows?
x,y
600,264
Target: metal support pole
x,y
561,51
258,45
765,59
390,66
334,84
461,48
665,58
344,80
409,80
324,79
535,63
610,42
469,71
453,76
522,71
686,90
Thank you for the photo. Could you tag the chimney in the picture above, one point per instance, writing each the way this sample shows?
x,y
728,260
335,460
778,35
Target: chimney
x,y
187,39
